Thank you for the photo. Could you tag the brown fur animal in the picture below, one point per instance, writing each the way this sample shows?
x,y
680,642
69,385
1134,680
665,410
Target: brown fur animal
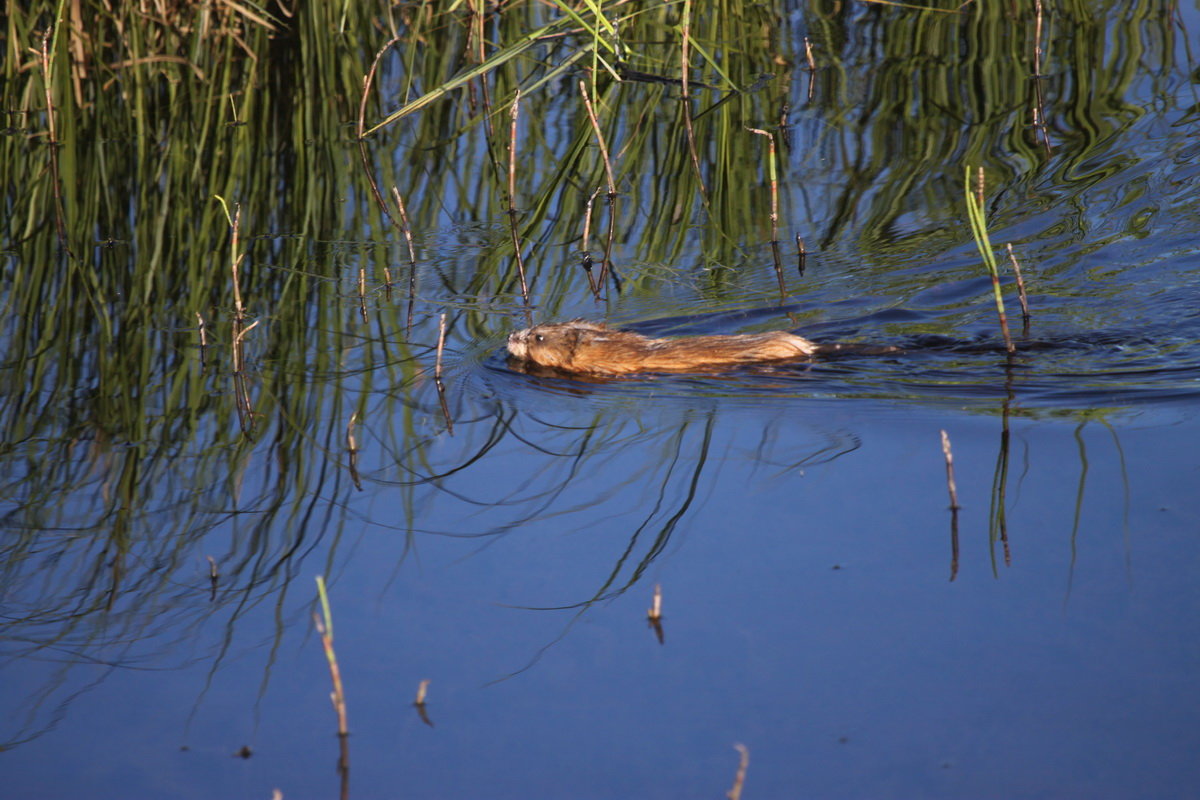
x,y
591,348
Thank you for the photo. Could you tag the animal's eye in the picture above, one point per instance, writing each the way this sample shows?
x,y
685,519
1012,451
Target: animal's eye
x,y
539,337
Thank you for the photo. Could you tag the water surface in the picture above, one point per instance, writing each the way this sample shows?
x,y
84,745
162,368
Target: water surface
x,y
501,534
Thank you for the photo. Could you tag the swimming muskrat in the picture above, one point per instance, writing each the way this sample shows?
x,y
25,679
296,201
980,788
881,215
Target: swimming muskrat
x,y
592,348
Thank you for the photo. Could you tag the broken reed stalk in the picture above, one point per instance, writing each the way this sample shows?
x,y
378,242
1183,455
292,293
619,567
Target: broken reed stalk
x,y
203,328
352,450
441,343
437,373
324,624
585,251
1037,39
654,613
801,255
655,610
606,265
241,391
739,780
773,173
406,229
419,703
362,292
514,114
1021,294
950,484
235,222
213,577
975,211
808,55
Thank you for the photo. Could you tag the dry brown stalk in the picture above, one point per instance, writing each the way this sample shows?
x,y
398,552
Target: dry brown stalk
x,y
437,373
514,114
606,266
655,610
406,229
1021,294
352,450
324,625
203,329
419,703
774,178
950,484
654,613
362,292
441,343
739,780
585,254
236,262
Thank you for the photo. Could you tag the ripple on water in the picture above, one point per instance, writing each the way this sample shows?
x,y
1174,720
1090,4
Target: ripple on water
x,y
1068,374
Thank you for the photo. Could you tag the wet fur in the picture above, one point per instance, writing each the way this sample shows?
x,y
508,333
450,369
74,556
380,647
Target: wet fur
x,y
590,348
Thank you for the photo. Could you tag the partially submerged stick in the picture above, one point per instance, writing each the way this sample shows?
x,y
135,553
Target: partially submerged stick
x,y
437,374
406,229
419,703
654,613
772,171
324,624
585,253
352,450
954,506
950,484
1021,295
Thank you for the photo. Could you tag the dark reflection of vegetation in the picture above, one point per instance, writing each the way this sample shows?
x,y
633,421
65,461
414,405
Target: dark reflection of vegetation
x,y
123,462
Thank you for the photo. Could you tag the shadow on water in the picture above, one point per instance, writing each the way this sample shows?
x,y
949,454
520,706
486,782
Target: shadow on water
x,y
199,416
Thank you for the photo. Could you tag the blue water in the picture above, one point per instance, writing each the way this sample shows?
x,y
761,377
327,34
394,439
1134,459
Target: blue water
x,y
818,607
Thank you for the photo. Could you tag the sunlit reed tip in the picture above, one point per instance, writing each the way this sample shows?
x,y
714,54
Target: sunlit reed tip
x,y
654,613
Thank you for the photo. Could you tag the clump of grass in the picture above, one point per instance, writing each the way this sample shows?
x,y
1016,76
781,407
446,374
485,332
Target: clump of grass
x,y
975,212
